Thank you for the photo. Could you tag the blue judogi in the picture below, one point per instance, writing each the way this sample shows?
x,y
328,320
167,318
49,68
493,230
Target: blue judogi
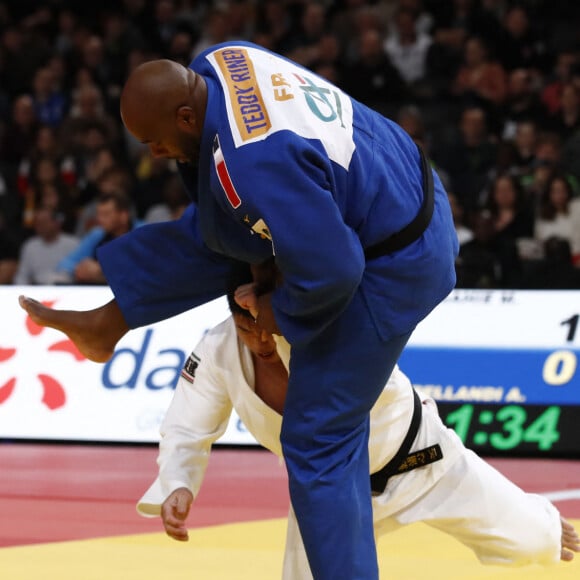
x,y
290,166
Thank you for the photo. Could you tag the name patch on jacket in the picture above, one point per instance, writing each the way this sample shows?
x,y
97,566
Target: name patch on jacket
x,y
188,371
246,100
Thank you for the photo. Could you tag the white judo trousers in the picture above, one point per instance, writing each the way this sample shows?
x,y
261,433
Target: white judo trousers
x,y
471,501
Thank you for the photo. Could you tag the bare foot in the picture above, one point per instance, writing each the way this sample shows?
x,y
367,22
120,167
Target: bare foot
x,y
94,332
570,541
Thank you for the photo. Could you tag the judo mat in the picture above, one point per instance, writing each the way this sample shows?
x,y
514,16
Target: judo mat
x,y
67,512
248,551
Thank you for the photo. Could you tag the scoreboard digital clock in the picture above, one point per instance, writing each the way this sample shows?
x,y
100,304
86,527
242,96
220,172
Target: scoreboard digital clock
x,y
529,430
504,370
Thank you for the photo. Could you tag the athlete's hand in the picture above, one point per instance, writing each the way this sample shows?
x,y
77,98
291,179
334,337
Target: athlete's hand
x,y
265,318
260,307
174,512
245,297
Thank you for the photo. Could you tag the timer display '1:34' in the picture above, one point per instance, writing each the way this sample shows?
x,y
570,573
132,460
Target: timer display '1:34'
x,y
514,429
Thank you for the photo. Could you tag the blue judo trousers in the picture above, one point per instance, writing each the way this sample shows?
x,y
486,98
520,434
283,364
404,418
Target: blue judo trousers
x,y
291,167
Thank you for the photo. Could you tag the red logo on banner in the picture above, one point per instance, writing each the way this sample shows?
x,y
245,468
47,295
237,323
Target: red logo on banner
x,y
53,393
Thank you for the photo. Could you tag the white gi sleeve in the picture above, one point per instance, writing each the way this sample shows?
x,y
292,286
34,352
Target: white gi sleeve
x,y
197,417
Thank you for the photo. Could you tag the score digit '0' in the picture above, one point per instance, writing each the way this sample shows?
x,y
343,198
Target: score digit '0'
x,y
560,367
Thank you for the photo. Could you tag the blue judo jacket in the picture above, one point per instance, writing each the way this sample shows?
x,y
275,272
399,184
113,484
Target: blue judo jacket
x,y
290,166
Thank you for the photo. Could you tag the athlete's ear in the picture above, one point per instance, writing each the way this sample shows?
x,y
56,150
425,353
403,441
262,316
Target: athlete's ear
x,y
186,120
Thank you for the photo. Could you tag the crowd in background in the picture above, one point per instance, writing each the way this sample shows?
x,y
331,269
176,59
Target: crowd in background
x,y
489,88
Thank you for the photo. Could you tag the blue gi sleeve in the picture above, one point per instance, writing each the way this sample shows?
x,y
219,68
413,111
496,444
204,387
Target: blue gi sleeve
x,y
320,257
160,270
85,249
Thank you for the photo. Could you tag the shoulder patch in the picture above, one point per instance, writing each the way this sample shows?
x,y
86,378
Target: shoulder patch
x,y
188,371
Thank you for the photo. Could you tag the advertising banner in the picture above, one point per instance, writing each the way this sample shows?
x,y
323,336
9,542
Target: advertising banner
x,y
502,366
48,390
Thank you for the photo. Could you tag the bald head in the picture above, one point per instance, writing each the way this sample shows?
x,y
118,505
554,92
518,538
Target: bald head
x,y
162,98
152,91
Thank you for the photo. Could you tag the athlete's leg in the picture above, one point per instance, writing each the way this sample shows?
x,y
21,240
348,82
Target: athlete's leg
x,y
333,385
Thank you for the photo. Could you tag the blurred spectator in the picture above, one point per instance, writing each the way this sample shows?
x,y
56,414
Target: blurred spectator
x,y
562,74
464,233
10,242
93,60
175,200
114,220
547,162
87,111
94,164
525,142
66,24
313,26
328,54
274,25
555,218
19,136
46,146
140,14
44,172
566,121
555,270
120,36
50,102
486,261
164,24
114,180
479,79
407,49
423,19
371,78
41,253
454,21
23,54
181,47
151,175
469,157
517,45
509,209
522,103
410,118
570,156
215,30
57,197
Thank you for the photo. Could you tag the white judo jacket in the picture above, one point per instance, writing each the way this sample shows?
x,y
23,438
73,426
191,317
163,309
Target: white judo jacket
x,y
222,380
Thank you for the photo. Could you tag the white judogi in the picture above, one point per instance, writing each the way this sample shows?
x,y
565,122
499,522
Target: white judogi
x,y
460,494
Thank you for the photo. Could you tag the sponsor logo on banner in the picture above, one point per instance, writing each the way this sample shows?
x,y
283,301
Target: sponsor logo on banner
x,y
53,391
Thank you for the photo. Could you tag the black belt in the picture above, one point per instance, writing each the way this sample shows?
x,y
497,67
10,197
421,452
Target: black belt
x,y
415,229
403,461
380,478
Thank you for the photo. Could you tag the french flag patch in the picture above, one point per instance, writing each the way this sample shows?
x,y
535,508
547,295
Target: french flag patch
x,y
224,175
